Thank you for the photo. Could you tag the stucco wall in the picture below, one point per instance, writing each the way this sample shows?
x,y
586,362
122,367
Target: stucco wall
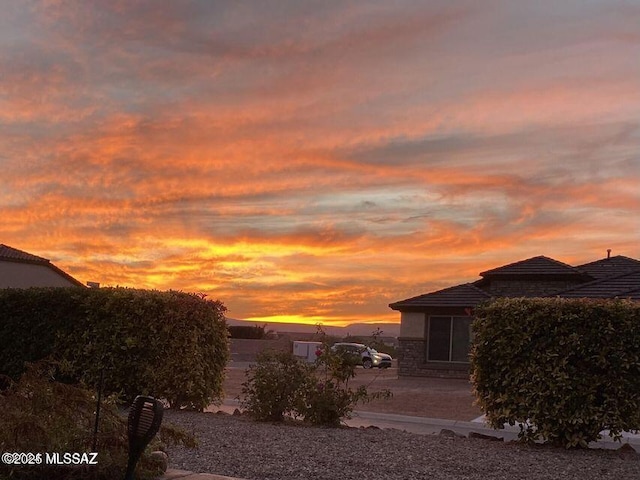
x,y
412,324
25,275
412,359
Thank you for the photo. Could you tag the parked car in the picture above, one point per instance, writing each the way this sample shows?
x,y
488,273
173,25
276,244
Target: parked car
x,y
369,357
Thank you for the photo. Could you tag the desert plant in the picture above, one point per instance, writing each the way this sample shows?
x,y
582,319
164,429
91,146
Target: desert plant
x,y
564,370
275,385
41,415
329,402
281,384
332,399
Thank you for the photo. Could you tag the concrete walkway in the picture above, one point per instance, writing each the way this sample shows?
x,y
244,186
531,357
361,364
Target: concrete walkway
x,y
433,426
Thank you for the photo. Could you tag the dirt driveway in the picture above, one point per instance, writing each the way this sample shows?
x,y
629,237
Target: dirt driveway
x,y
425,397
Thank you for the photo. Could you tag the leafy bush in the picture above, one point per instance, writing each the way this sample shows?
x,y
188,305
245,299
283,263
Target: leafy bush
x,y
275,385
30,320
39,414
170,345
330,402
281,384
332,399
563,369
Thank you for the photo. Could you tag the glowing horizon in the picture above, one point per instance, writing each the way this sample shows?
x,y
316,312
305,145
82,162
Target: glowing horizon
x,y
317,161
318,320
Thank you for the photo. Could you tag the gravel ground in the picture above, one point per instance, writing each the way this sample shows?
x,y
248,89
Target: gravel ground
x,y
239,447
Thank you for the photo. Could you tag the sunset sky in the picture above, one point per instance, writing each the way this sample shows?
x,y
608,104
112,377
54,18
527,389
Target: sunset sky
x,y
314,161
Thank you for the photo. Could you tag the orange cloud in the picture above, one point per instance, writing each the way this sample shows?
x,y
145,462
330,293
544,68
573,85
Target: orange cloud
x,y
315,162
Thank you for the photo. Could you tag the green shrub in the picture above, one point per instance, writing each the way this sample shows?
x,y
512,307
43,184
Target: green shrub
x,y
39,414
281,384
170,345
329,402
274,385
30,320
563,369
332,399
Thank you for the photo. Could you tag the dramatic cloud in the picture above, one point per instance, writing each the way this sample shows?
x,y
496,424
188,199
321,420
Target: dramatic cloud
x,y
315,161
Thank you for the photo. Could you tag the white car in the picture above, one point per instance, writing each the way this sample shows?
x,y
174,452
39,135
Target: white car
x,y
369,356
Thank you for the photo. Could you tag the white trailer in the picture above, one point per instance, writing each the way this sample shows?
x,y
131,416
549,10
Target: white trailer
x,y
306,350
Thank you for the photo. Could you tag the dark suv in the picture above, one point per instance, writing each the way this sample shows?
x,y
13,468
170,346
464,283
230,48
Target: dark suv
x,y
368,356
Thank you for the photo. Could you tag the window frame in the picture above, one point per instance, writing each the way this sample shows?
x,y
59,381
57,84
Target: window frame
x,y
451,336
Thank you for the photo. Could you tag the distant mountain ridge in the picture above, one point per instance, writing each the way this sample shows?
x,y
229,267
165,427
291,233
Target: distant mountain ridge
x,y
354,329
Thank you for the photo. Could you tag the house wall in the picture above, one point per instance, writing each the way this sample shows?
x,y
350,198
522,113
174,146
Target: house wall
x,y
25,275
413,346
411,362
412,324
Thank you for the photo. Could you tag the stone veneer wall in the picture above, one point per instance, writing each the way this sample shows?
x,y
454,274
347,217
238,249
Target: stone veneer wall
x,y
411,362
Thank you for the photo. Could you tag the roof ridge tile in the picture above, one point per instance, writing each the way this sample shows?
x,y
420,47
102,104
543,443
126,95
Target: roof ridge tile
x,y
538,262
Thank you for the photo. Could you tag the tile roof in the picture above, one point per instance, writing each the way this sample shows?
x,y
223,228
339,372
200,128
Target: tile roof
x,y
626,285
465,295
11,254
617,276
611,266
633,295
539,265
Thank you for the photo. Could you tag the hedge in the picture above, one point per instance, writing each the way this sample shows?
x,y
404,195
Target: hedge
x,y
563,369
252,332
171,345
29,322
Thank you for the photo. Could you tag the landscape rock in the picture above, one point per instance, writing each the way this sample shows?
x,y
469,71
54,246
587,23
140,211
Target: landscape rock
x,y
482,436
238,447
627,451
161,458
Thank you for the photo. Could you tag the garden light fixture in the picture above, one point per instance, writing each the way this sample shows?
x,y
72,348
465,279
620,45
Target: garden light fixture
x,y
145,417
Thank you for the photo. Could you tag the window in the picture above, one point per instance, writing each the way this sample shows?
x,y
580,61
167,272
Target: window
x,y
448,339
